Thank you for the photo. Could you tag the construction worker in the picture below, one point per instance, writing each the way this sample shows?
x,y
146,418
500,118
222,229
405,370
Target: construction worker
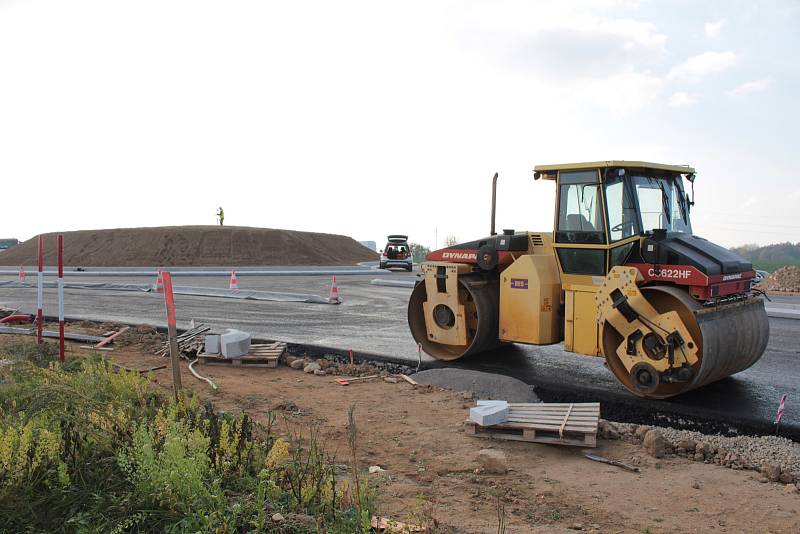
x,y
221,215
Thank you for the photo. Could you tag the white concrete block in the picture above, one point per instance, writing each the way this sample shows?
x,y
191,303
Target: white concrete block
x,y
492,403
489,414
234,343
212,344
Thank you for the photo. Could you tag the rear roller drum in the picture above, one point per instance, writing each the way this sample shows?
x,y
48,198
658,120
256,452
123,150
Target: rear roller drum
x,y
730,338
480,298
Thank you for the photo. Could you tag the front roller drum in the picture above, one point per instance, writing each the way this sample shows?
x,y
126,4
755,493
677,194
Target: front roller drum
x,y
480,298
730,338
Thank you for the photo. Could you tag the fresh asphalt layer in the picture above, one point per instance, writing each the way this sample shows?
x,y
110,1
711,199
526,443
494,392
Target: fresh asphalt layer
x,y
372,321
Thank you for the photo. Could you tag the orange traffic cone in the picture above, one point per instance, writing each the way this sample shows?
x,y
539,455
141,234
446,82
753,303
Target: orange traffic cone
x,y
334,296
21,273
159,282
234,283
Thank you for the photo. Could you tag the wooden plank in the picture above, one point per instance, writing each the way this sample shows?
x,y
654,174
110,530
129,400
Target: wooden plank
x,y
141,371
581,429
578,429
530,432
553,410
356,378
546,426
92,347
244,361
562,411
111,338
532,435
549,420
409,380
560,415
552,417
612,461
564,424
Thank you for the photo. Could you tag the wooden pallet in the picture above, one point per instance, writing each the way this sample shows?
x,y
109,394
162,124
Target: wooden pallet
x,y
263,355
559,424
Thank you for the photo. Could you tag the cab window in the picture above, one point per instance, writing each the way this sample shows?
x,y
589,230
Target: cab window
x,y
622,219
580,215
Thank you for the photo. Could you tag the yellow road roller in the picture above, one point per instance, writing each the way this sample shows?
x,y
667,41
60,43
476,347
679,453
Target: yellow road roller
x,y
621,276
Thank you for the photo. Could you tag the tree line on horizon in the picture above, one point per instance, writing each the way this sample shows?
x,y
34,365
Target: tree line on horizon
x,y
770,257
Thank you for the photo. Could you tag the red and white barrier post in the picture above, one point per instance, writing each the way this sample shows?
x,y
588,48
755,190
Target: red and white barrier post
x,y
781,410
61,298
40,293
172,329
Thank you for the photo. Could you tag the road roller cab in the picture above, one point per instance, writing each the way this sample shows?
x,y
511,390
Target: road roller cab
x,y
620,276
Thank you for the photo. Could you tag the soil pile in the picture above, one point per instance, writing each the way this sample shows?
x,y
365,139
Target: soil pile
x,y
784,279
184,246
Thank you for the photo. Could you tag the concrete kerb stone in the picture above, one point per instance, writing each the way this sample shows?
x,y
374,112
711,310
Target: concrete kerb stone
x,y
489,412
234,343
212,344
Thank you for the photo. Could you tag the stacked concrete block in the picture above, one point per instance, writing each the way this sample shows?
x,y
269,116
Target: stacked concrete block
x,y
234,343
489,412
212,344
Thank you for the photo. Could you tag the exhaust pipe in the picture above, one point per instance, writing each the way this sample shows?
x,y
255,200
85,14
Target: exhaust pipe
x,y
494,202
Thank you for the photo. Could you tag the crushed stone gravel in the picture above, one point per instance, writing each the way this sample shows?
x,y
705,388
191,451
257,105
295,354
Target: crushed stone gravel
x,y
757,450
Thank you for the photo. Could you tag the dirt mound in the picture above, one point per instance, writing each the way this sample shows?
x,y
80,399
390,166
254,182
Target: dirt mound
x,y
184,246
784,279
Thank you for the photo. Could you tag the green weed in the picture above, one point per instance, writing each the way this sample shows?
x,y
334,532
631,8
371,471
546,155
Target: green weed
x,y
86,449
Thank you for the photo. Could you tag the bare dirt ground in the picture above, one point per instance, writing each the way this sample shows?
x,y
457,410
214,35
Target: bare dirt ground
x,y
193,246
416,435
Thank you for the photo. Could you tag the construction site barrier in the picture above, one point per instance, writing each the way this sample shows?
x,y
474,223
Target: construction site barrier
x,y
243,294
226,273
72,336
393,283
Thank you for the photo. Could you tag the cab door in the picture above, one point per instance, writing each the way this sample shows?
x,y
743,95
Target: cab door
x,y
581,246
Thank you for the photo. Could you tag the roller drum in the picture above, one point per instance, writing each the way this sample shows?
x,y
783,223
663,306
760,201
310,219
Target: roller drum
x,y
481,300
730,337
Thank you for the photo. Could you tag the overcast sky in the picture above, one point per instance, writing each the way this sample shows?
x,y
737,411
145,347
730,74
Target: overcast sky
x,y
370,118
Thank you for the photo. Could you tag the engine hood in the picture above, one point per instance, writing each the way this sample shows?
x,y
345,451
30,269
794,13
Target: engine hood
x,y
668,248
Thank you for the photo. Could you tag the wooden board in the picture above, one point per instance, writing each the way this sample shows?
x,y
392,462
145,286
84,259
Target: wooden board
x,y
559,424
244,361
263,355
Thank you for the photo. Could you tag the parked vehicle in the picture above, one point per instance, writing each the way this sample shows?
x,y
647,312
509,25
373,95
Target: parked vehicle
x,y
397,253
760,277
